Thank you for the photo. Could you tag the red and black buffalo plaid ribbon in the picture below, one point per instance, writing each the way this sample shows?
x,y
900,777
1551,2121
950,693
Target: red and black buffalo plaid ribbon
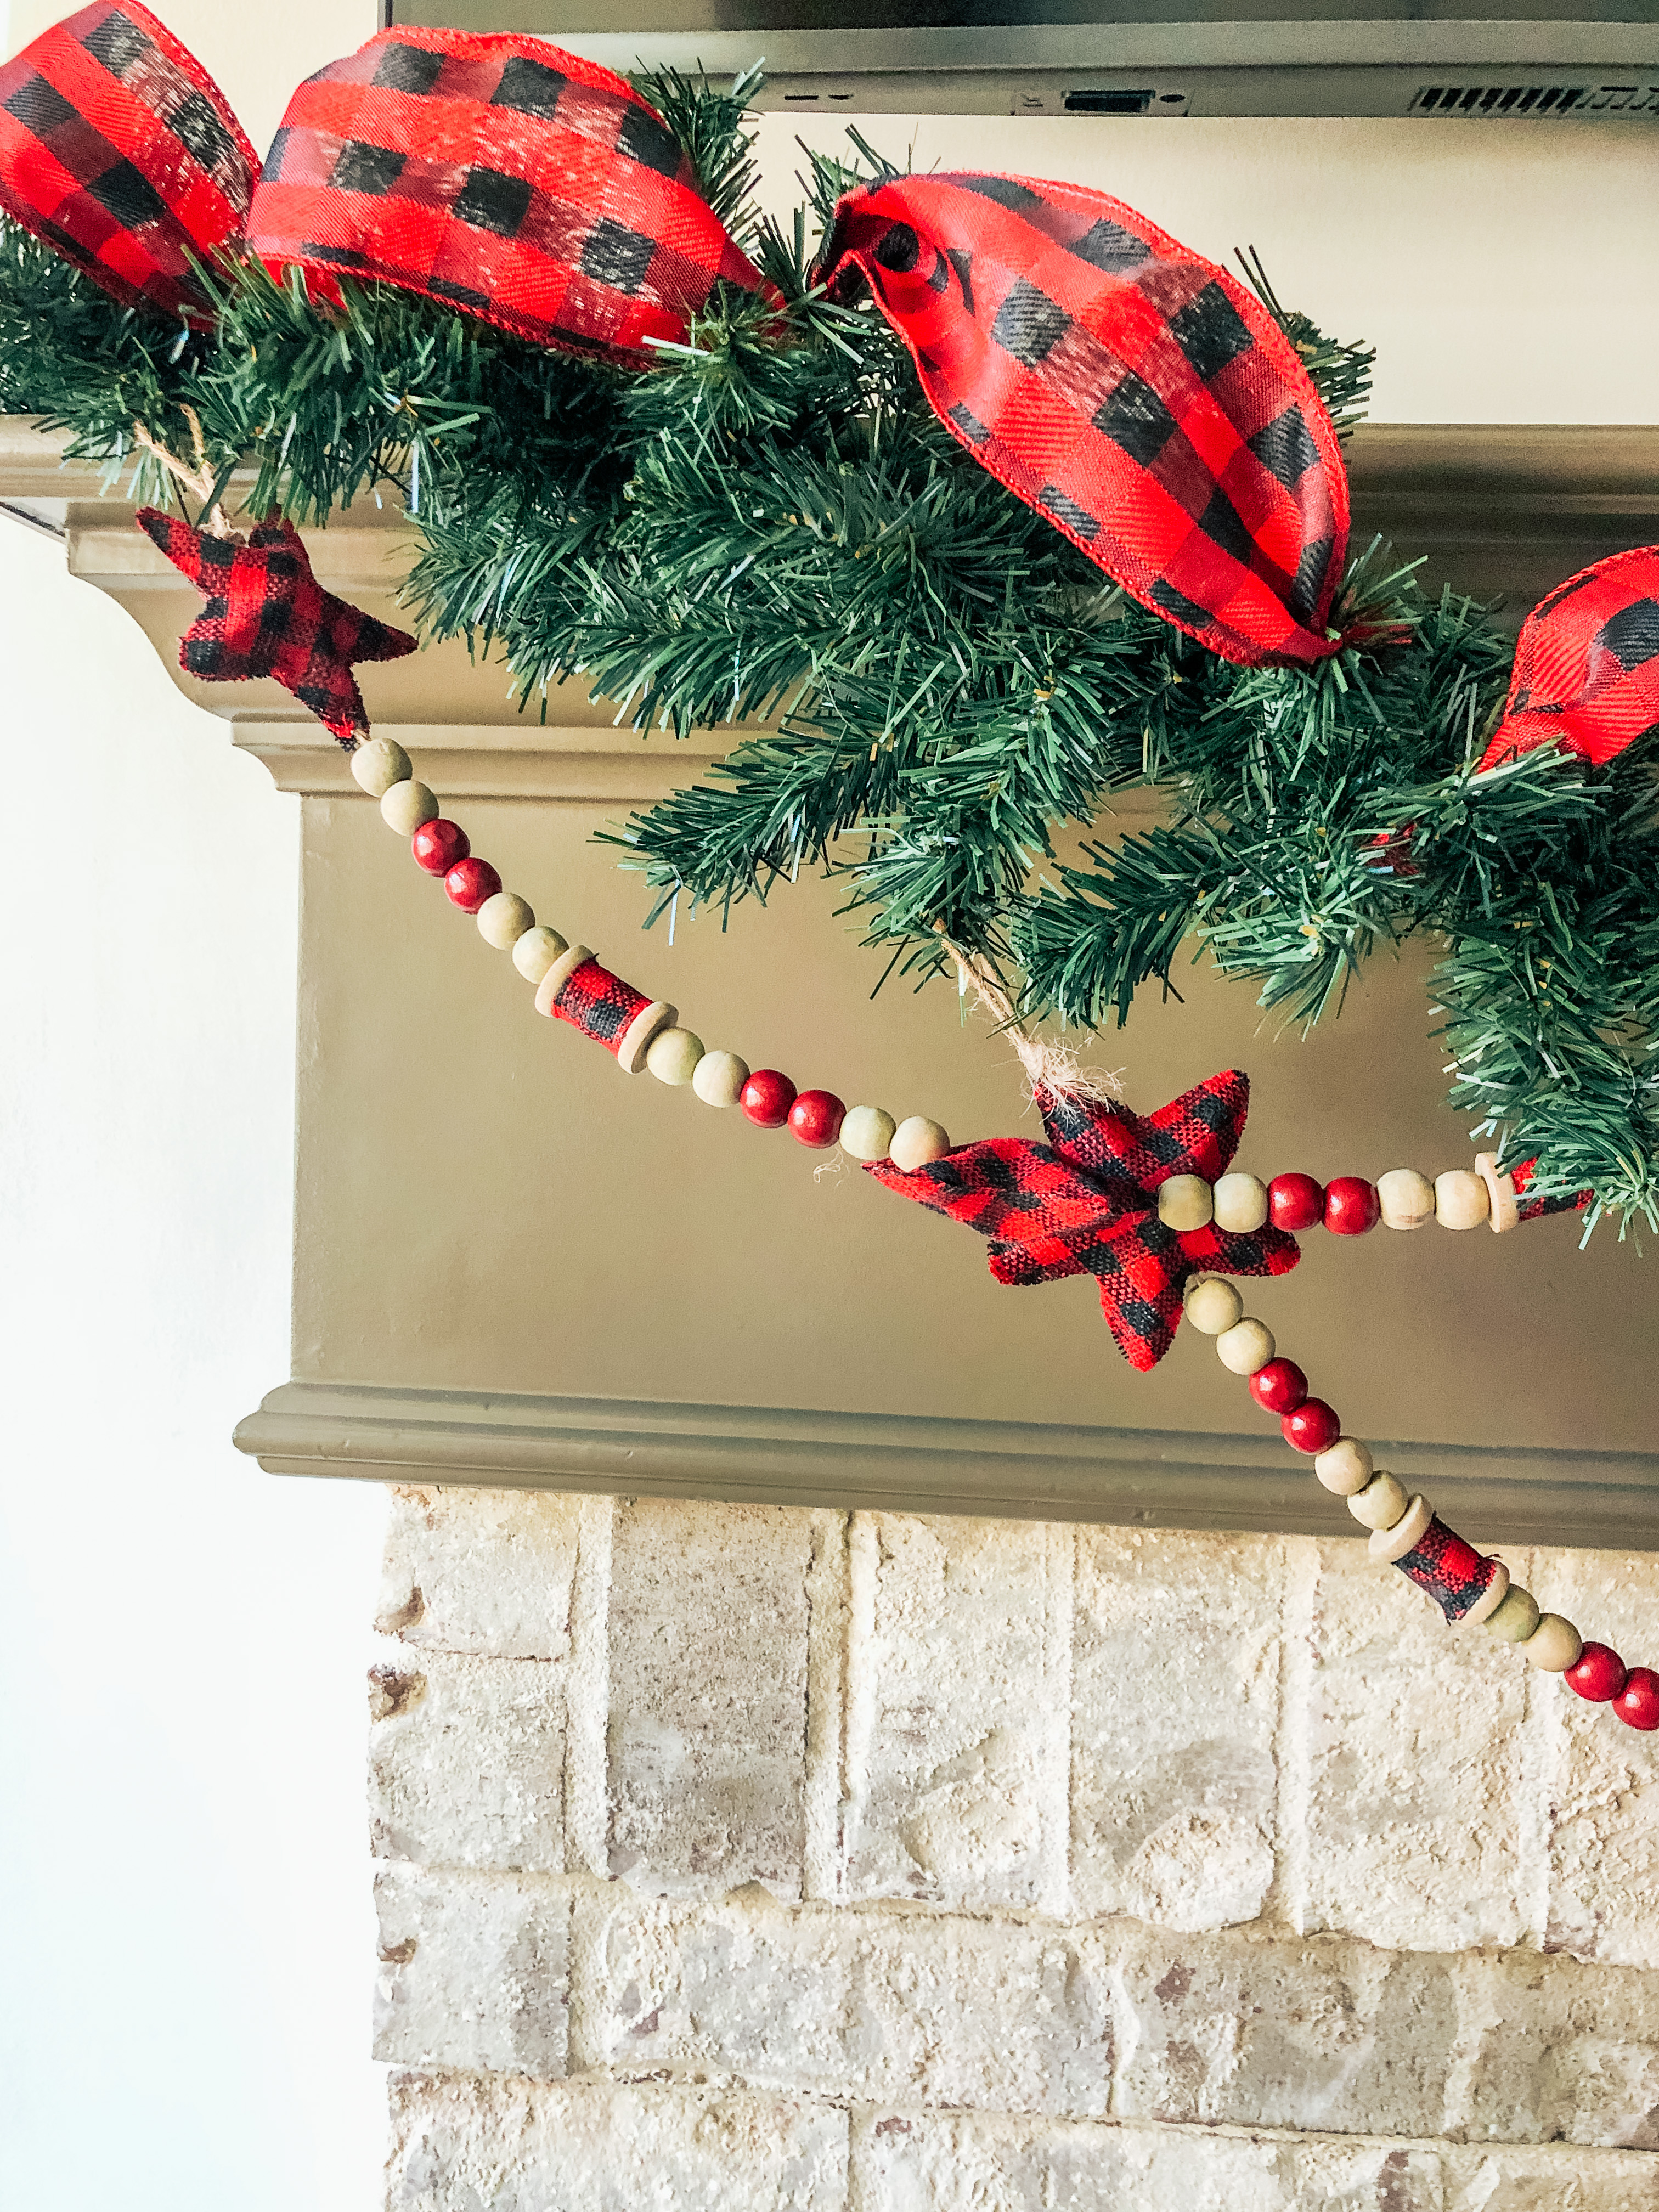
x,y
1586,665
1086,1203
1130,391
118,148
1450,1569
598,1004
266,615
502,176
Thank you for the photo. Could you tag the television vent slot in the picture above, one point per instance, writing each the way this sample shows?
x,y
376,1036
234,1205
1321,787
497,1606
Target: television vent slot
x,y
1482,100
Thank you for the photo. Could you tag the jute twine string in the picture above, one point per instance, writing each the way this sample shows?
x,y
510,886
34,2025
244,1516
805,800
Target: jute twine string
x,y
1051,1068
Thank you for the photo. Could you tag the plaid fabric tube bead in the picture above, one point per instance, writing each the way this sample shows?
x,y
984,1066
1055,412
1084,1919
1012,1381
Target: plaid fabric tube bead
x,y
1452,1571
1586,672
1128,389
118,150
1536,1209
598,1004
501,176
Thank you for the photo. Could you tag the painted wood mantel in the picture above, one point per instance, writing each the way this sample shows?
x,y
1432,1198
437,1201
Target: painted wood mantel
x,y
513,1265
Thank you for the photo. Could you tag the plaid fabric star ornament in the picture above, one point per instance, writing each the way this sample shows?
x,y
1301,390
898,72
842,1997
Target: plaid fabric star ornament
x,y
266,615
1086,1203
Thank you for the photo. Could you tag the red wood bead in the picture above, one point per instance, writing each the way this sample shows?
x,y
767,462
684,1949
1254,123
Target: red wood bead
x,y
1312,1427
438,845
1352,1205
1295,1201
1638,1704
816,1118
1598,1674
767,1097
470,882
1280,1387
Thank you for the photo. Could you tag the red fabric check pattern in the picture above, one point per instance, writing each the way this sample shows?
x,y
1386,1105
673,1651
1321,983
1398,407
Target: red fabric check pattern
x,y
266,615
1536,1209
598,1004
1449,1568
118,148
1086,1203
1586,665
1128,389
501,176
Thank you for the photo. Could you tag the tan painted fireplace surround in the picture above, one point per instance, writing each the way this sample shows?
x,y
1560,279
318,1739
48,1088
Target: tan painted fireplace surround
x,y
841,1739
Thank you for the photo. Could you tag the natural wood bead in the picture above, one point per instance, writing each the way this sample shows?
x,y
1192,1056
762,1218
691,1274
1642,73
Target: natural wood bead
x,y
1489,1600
636,1039
1246,1347
1514,1620
1406,1198
536,951
1505,1212
1185,1201
1240,1203
672,1055
866,1132
1212,1305
1460,1199
504,919
1388,1545
377,764
718,1077
405,806
1346,1466
1381,1505
1553,1646
916,1142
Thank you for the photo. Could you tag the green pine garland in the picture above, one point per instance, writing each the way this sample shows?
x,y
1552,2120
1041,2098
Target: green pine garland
x,y
778,530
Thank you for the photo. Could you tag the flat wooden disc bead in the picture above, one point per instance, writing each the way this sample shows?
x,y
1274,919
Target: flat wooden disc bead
x,y
1346,1466
1460,1199
1505,1207
1490,1598
554,978
917,1142
405,806
1240,1204
377,764
1246,1347
503,919
1212,1305
1407,1198
1389,1545
535,952
866,1134
637,1038
1553,1646
719,1078
672,1055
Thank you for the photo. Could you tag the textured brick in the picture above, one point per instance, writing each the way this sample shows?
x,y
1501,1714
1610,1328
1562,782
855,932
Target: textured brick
x,y
1602,1785
1545,2178
472,1972
465,1762
506,2145
1175,1683
480,1571
707,1700
1408,1736
1330,2036
957,1696
1554,2051
926,2008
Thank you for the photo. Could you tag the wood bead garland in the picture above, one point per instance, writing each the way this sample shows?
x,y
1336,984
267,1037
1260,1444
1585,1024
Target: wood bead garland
x,y
1185,1202
1246,1347
1407,1198
1240,1203
1346,1466
719,1078
816,1118
765,1098
1381,1505
535,952
406,805
1460,1199
1553,1646
377,764
504,919
471,884
673,1056
917,1142
867,1133
1212,1304
438,844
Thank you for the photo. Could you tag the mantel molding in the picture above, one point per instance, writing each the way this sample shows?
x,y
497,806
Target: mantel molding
x,y
787,1456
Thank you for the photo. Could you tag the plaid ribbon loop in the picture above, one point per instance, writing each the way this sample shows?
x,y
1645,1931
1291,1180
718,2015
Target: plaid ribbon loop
x,y
118,150
1086,1203
1126,388
501,176
1586,672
